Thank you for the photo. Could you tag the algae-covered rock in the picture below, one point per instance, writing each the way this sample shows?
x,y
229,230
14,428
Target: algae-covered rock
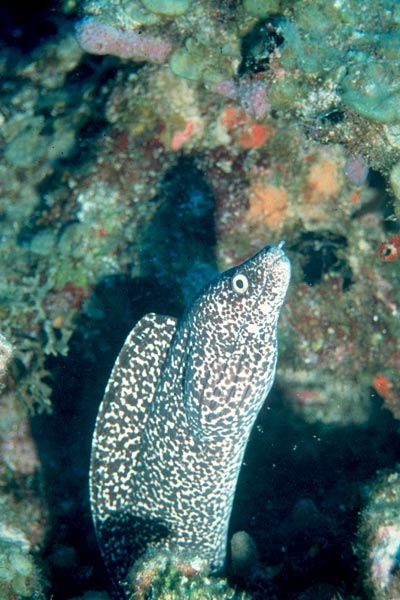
x,y
260,8
372,89
395,183
167,7
379,538
164,577
6,351
198,62
20,576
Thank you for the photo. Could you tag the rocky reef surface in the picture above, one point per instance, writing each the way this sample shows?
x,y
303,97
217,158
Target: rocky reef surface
x,y
145,145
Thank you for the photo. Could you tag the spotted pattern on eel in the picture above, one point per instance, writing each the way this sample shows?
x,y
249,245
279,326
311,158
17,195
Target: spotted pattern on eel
x,y
177,413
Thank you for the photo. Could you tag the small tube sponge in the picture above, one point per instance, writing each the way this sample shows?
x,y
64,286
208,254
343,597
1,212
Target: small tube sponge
x,y
97,37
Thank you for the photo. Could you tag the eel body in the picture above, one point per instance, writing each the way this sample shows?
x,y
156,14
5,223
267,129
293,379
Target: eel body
x,y
177,413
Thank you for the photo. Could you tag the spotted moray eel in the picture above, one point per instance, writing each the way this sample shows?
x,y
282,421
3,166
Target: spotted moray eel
x,y
177,413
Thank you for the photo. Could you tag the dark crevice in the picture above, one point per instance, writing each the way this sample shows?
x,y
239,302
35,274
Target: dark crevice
x,y
321,253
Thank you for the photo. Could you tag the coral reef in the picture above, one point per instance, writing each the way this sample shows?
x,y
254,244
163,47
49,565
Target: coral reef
x,y
23,511
5,356
346,90
379,537
23,520
166,577
127,180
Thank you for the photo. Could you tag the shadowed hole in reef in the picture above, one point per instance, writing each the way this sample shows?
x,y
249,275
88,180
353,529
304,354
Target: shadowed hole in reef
x,y
320,253
179,244
300,494
260,43
25,25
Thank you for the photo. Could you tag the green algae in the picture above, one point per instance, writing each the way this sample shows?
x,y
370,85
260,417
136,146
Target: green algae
x,y
187,63
6,351
196,61
360,56
20,576
167,7
137,14
261,9
178,578
372,89
395,183
357,61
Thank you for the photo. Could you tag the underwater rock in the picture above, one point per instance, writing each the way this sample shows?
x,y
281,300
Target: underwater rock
x,y
378,544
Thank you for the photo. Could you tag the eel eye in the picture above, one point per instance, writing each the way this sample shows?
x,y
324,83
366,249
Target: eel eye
x,y
240,284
